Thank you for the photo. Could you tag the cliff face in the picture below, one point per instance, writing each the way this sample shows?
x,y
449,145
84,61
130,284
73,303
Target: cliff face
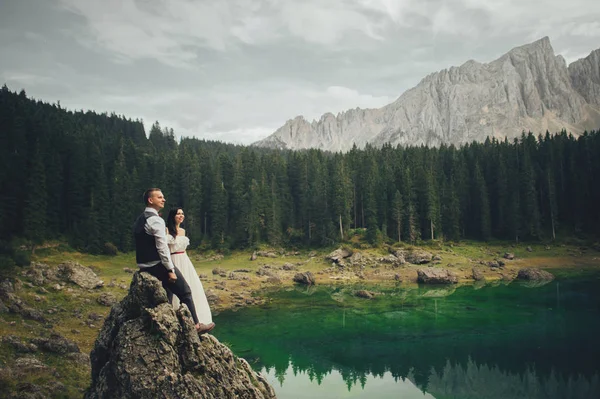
x,y
147,350
529,88
585,77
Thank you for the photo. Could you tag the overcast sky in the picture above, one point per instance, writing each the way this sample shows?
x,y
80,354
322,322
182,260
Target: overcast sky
x,y
236,70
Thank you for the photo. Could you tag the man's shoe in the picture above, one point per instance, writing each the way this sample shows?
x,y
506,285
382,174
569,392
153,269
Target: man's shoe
x,y
204,328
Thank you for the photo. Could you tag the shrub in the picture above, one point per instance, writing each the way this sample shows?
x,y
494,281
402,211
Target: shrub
x,y
22,258
110,249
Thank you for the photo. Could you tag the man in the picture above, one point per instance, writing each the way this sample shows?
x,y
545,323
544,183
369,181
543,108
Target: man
x,y
153,256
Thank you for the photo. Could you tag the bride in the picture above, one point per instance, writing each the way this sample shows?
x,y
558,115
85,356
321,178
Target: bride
x,y
178,243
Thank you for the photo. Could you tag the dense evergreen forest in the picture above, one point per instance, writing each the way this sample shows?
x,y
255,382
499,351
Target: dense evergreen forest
x,y
80,176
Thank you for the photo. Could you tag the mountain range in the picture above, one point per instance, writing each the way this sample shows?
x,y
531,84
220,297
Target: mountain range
x,y
527,89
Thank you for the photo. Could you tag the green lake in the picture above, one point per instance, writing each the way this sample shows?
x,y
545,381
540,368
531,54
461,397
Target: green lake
x,y
498,340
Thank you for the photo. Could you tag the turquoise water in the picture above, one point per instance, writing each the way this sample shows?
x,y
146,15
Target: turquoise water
x,y
492,341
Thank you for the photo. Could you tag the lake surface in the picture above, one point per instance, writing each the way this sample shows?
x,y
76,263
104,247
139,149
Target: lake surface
x,y
491,341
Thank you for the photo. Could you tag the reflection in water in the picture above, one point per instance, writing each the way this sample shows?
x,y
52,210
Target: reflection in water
x,y
482,381
492,342
303,384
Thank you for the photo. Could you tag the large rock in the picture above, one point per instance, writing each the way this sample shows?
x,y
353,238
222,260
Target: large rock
x,y
527,89
305,278
56,344
10,301
148,350
531,274
433,275
418,257
339,255
81,275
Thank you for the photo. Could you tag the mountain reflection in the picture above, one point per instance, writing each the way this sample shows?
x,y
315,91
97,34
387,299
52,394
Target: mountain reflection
x,y
493,342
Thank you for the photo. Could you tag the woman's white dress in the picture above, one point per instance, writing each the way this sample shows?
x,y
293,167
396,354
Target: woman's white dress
x,y
184,264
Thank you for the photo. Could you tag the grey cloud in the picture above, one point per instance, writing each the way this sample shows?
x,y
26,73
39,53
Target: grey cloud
x,y
237,69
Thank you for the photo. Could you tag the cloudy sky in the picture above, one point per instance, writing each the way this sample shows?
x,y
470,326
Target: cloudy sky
x,y
236,70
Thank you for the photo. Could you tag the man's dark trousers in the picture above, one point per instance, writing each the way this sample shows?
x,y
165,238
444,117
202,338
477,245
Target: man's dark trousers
x,y
179,288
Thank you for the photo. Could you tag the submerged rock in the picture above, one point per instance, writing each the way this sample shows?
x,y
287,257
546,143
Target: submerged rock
x,y
146,349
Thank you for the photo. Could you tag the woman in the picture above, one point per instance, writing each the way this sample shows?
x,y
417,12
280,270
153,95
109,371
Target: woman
x,y
178,242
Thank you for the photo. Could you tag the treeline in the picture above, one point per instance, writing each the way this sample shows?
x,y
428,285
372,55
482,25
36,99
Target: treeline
x,y
81,175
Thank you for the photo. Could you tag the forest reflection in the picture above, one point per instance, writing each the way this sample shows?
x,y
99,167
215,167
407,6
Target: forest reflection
x,y
504,341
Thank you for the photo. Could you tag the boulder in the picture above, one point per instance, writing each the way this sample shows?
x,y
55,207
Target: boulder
x,y
305,278
391,260
509,256
146,349
477,275
266,254
56,344
364,294
106,299
11,302
418,257
531,274
338,255
432,275
289,266
81,275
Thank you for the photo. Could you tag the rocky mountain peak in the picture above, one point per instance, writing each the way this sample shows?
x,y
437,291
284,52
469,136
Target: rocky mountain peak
x,y
147,350
528,88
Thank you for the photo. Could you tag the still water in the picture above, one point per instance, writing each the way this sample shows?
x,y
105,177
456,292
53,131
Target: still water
x,y
491,341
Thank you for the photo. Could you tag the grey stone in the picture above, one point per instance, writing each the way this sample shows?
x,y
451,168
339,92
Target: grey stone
x,y
433,275
305,278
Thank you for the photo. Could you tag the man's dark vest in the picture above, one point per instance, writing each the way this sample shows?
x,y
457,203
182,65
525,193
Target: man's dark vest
x,y
145,244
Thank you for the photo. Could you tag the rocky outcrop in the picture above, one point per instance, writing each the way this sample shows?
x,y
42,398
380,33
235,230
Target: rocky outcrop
x,y
432,275
531,274
529,88
148,350
10,301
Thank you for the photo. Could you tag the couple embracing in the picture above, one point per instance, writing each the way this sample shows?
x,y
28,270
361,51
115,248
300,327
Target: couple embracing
x,y
160,251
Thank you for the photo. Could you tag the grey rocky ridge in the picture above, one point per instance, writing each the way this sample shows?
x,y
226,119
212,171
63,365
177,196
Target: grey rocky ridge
x,y
527,89
148,350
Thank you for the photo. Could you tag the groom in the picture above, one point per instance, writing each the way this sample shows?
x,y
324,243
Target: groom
x,y
152,252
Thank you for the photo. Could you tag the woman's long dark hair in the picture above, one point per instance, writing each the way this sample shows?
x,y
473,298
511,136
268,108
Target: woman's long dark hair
x,y
171,225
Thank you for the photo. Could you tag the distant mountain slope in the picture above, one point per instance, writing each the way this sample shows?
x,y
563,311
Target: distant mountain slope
x,y
528,88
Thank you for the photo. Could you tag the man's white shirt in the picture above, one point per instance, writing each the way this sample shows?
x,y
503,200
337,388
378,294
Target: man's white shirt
x,y
155,226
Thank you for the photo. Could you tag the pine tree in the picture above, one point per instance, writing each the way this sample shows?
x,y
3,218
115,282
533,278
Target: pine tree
x,y
397,213
218,211
341,194
482,204
34,223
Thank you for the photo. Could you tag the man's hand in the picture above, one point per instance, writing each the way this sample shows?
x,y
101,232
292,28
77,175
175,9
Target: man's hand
x,y
172,277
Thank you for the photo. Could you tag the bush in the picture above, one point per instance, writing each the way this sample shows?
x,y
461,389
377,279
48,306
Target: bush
x,y
22,258
110,249
6,262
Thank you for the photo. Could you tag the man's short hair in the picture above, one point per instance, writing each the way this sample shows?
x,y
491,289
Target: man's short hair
x,y
148,194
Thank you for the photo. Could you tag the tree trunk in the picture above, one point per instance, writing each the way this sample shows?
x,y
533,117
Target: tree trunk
x,y
341,229
553,231
431,225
